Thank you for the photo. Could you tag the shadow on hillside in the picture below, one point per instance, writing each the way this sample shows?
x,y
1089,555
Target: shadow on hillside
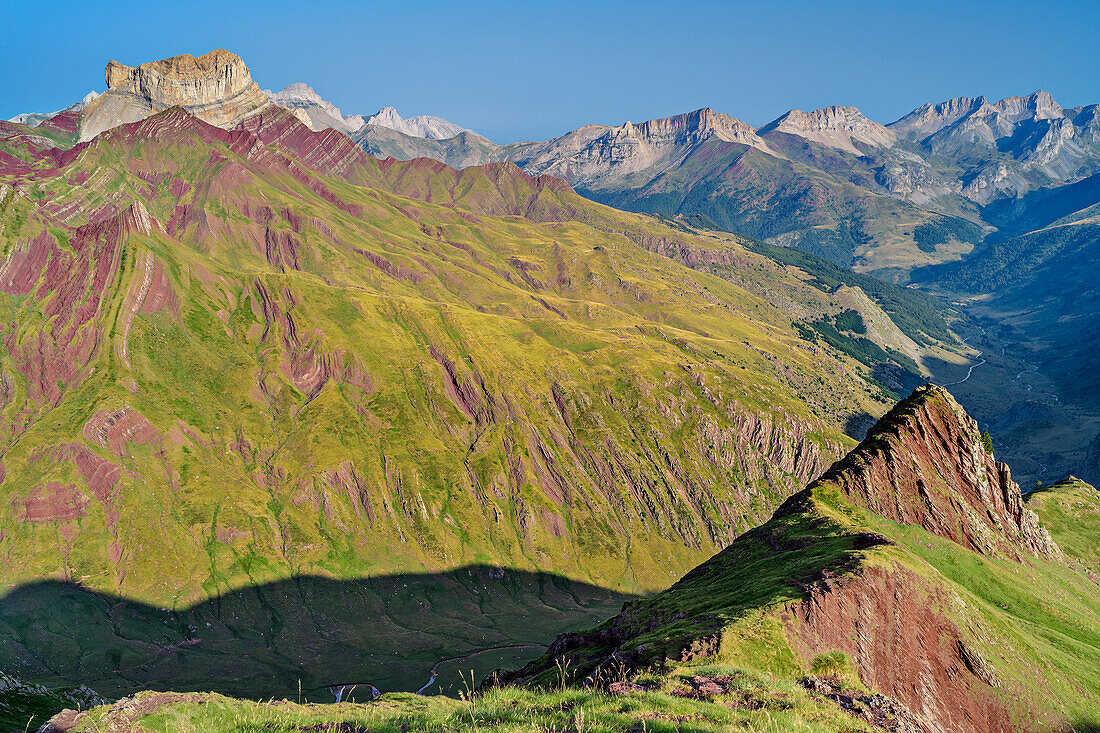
x,y
1083,726
857,425
265,640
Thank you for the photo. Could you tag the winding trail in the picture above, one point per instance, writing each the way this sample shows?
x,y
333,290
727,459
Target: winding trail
x,y
344,689
970,371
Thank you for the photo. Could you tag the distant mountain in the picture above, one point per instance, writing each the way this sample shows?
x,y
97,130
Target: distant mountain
x,y
461,151
1007,147
32,119
845,128
319,114
881,198
425,126
809,180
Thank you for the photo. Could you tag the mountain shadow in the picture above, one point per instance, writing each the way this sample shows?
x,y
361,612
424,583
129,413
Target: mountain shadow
x,y
267,640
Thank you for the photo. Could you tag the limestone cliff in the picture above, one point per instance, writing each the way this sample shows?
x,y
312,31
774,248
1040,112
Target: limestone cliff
x,y
837,127
216,87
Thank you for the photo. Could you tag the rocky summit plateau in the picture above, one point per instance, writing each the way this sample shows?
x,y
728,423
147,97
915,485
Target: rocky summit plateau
x,y
216,87
315,421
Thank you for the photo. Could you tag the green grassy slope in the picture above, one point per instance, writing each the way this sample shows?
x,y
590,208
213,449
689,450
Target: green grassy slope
x,y
1070,509
226,368
823,618
786,595
747,701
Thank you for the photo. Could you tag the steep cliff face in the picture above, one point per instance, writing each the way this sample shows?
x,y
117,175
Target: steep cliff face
x,y
216,87
1010,146
924,464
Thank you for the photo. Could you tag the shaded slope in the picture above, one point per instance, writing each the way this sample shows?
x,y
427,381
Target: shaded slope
x,y
25,706
262,641
953,600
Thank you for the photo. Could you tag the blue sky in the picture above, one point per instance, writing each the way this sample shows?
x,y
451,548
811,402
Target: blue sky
x,y
527,70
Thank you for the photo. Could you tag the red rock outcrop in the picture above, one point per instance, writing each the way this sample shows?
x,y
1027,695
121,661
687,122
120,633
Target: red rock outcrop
x,y
924,464
890,624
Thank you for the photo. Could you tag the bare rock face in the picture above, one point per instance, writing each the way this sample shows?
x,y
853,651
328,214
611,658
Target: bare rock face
x,y
836,127
216,87
425,126
316,112
596,156
924,464
1044,142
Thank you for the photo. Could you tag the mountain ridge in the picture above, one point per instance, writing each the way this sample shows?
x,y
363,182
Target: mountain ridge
x,y
877,562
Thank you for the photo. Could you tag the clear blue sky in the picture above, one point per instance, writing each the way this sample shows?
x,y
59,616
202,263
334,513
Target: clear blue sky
x,y
527,70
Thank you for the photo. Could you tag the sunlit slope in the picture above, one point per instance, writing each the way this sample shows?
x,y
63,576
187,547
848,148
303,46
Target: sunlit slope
x,y
1070,509
225,367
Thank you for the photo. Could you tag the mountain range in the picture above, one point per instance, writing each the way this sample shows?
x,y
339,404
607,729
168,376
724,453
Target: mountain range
x,y
833,177
279,413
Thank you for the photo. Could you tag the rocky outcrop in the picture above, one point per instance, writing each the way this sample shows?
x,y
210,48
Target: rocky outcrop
x,y
216,87
888,622
21,701
845,128
924,464
596,156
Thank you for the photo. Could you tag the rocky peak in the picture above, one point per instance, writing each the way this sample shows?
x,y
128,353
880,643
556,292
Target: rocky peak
x,y
426,126
925,464
312,109
1000,116
216,87
699,125
1039,105
931,118
836,127
684,130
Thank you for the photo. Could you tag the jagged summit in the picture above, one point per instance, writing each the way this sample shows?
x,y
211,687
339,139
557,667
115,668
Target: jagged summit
x,y
929,119
837,127
924,464
425,126
691,127
217,87
313,109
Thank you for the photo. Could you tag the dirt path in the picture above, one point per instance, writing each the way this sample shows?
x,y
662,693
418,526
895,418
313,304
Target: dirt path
x,y
344,689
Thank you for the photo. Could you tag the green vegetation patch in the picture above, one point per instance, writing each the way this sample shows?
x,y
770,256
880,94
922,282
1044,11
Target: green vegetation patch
x,y
1070,510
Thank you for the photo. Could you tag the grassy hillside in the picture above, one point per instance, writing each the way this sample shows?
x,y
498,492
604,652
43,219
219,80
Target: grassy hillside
x,y
830,577
958,614
234,363
1070,509
670,703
